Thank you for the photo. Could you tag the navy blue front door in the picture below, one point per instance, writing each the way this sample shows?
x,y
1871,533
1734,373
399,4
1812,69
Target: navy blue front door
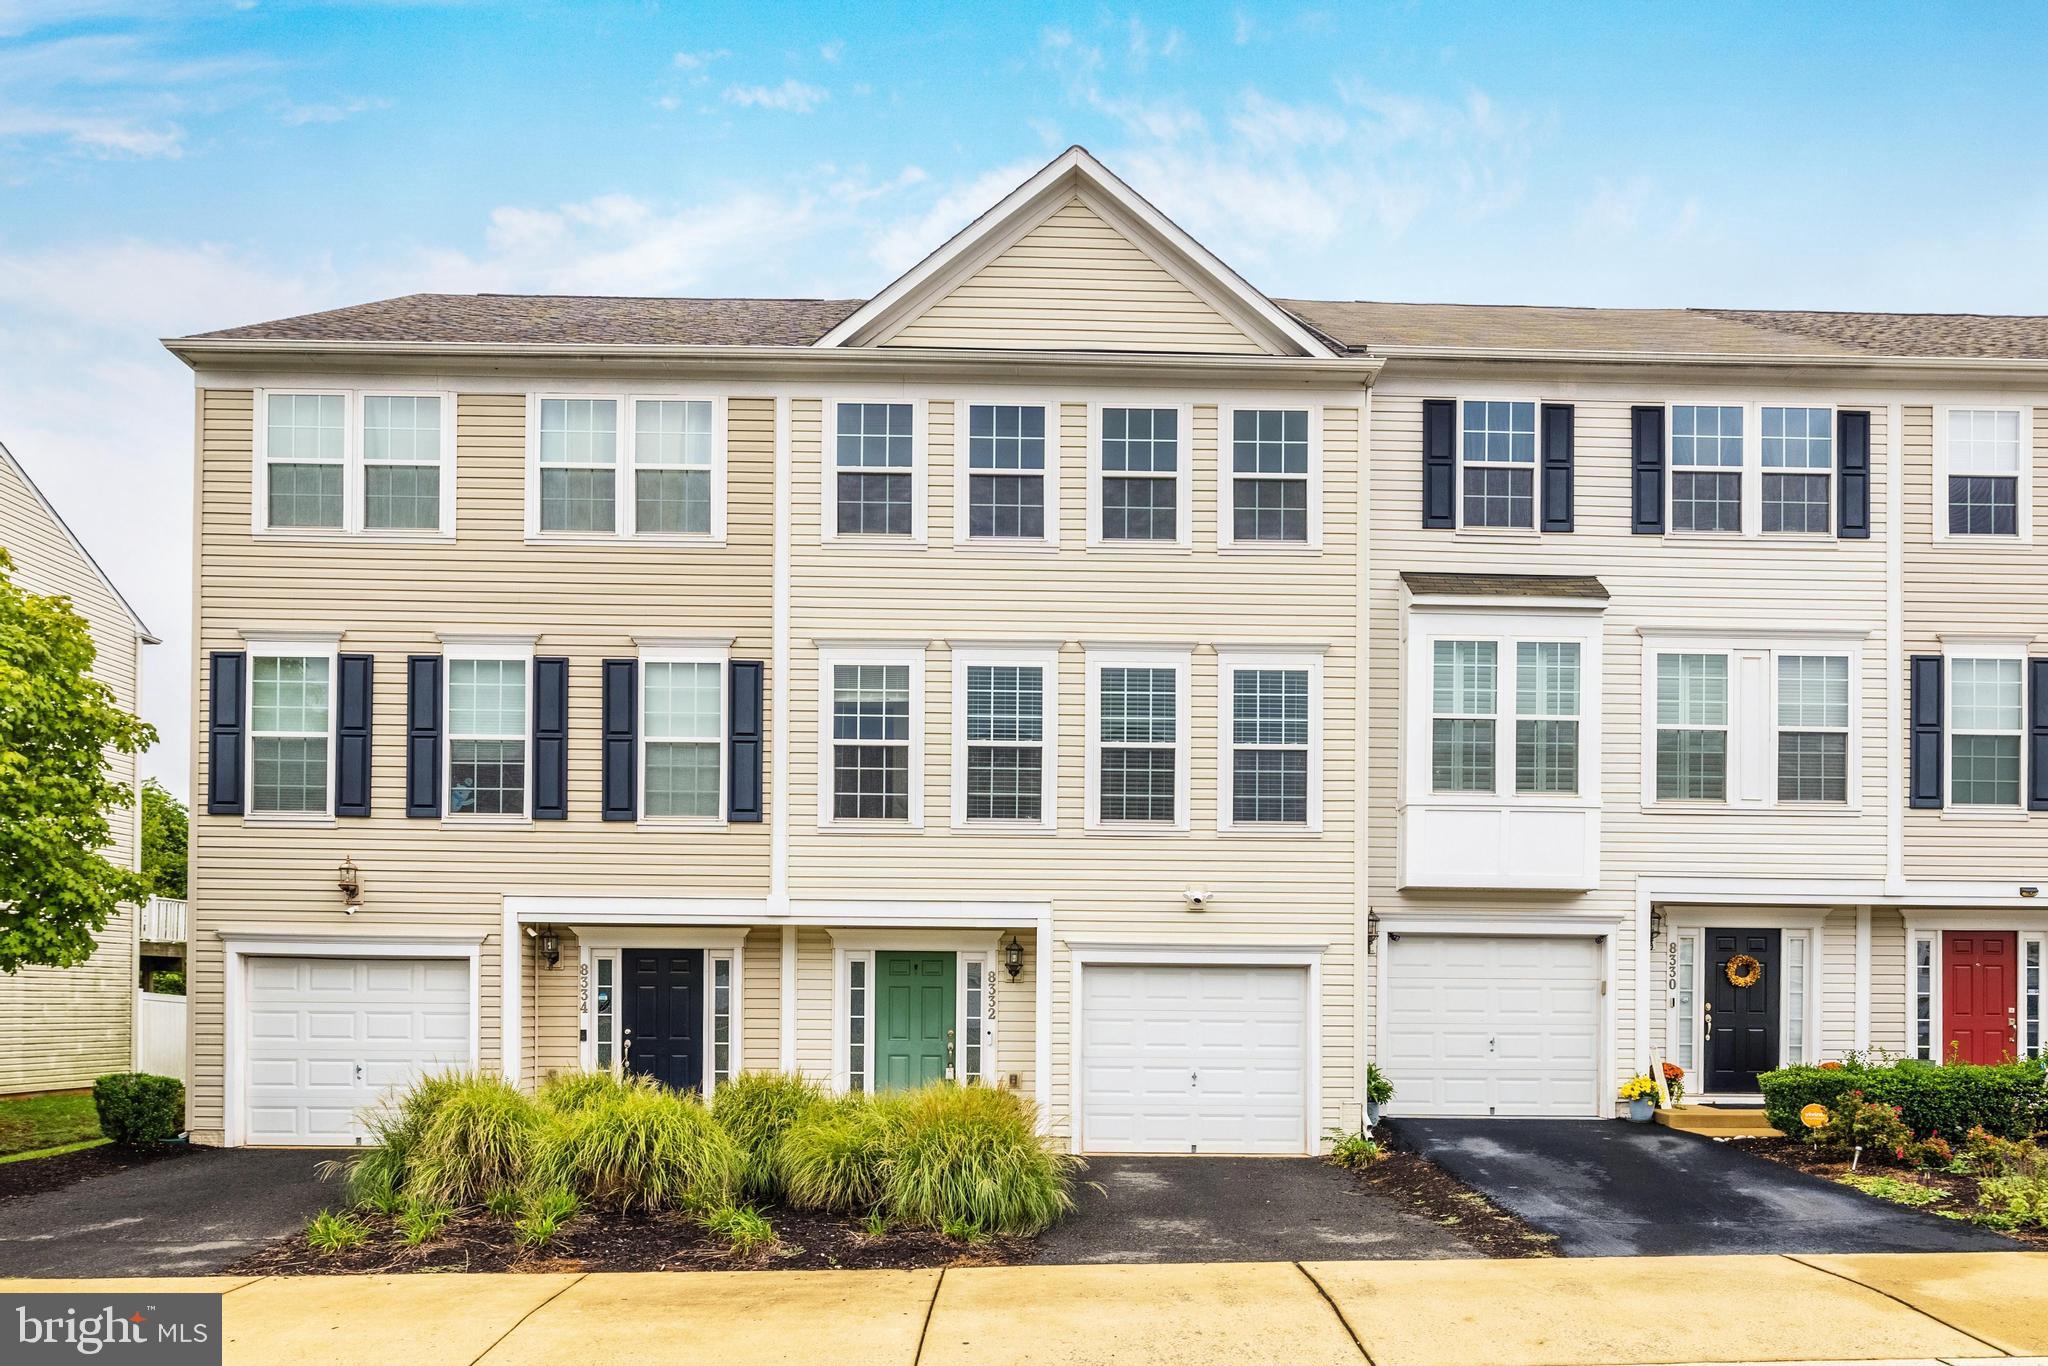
x,y
664,1015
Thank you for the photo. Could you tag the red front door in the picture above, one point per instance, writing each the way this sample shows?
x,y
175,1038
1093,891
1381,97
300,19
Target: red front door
x,y
1979,995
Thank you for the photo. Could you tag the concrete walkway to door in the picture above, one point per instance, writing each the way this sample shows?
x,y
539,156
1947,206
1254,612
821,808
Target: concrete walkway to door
x,y
1607,1188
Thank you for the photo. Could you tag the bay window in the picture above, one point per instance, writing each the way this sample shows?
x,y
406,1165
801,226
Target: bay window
x,y
1465,699
1813,728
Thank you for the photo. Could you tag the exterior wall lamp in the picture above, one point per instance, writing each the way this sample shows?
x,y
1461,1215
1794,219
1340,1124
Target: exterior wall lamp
x,y
1013,956
1656,927
349,879
550,946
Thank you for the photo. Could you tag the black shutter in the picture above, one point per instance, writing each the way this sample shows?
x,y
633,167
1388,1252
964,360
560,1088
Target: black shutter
x,y
743,740
621,739
1646,429
1924,761
2037,735
352,709
423,736
1555,431
226,753
1439,463
1852,439
551,739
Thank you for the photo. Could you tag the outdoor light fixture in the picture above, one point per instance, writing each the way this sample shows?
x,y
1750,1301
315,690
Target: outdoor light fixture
x,y
550,946
2030,891
1656,927
1013,957
349,879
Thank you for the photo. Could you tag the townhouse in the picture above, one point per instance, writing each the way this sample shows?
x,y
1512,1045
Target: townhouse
x,y
1073,670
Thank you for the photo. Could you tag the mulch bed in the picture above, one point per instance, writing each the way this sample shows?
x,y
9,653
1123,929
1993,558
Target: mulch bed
x,y
38,1174
1441,1198
599,1241
1959,1190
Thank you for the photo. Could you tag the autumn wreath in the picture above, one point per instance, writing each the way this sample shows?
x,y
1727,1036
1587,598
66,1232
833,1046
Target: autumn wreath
x,y
1744,971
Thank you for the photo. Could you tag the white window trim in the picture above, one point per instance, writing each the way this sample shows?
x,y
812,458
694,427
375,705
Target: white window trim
x,y
1765,650
2025,494
1183,478
454,648
849,947
1047,660
325,646
1228,663
830,657
610,943
1996,648
353,483
626,407
686,654
1175,657
2030,929
1535,469
1752,470
1227,477
961,472
828,470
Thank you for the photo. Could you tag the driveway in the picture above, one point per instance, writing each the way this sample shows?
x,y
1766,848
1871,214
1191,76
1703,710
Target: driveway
x,y
1608,1188
1234,1209
187,1216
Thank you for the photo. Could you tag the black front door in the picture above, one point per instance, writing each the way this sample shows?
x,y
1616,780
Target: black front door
x,y
1741,1024
664,1016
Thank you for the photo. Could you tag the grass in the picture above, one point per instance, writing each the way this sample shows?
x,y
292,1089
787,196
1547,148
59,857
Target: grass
x,y
420,1222
544,1216
330,1233
1900,1192
37,1124
745,1232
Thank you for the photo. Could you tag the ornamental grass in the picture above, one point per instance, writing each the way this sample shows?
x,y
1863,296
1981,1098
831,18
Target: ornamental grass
x,y
756,1109
640,1147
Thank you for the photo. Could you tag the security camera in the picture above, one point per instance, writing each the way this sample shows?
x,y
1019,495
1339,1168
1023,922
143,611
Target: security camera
x,y
1197,898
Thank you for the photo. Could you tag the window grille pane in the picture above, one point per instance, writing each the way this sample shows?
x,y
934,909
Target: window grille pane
x,y
305,496
1465,672
1270,510
1139,706
578,500
1005,437
1137,785
304,427
1984,441
871,782
1798,439
1141,440
975,991
672,432
856,1024
288,695
721,1020
404,428
672,502
1547,678
1813,690
1706,436
1006,505
1269,785
875,436
2033,999
1923,999
1005,702
1003,783
605,1015
1500,433
874,504
1144,509
682,779
1986,694
401,497
1271,441
1795,999
1987,770
487,697
1461,757
1983,505
1692,690
1688,954
1813,767
1496,496
487,777
1797,502
290,774
871,702
1705,502
579,431
1547,756
1269,707
1692,765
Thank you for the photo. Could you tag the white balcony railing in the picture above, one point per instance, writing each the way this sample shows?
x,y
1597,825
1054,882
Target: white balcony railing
x,y
163,920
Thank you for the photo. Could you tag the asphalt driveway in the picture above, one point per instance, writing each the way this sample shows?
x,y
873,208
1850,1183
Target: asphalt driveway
x,y
1608,1188
1235,1209
187,1216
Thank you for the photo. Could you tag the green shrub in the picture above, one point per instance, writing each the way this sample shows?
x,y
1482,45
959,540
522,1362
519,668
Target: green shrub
x,y
168,982
2021,1196
755,1108
376,1175
640,1148
509,1203
972,1157
1856,1121
478,1137
745,1232
546,1213
422,1222
1353,1150
136,1107
328,1232
831,1157
1909,1193
2008,1099
1991,1155
579,1090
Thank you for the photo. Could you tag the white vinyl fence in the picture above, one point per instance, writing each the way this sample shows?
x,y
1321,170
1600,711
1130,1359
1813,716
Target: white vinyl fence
x,y
160,1034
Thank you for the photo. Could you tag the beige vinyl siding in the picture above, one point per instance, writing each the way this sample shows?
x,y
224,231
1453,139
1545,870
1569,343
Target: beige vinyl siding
x,y
1074,283
1890,987
585,602
61,1027
1834,977
1740,584
1102,886
1969,586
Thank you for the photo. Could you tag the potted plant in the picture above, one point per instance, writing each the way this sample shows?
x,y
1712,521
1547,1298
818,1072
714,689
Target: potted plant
x,y
1378,1091
1641,1095
1674,1080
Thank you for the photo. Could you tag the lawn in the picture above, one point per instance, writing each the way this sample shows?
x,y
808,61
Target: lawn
x,y
36,1122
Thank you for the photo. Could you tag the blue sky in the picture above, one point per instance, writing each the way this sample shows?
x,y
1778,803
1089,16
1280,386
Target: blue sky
x,y
169,167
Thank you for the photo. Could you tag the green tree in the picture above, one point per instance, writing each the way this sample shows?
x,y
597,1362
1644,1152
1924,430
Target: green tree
x,y
165,832
57,723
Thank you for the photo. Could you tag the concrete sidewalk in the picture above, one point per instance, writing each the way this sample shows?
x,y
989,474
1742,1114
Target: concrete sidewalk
x,y
1927,1307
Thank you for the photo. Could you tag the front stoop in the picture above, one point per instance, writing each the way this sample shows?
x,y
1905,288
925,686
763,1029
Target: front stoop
x,y
1713,1122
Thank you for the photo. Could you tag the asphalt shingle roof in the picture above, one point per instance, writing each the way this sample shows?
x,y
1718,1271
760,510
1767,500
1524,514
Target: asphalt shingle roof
x,y
1505,585
560,319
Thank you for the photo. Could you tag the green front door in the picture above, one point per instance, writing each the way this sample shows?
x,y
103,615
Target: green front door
x,y
914,1018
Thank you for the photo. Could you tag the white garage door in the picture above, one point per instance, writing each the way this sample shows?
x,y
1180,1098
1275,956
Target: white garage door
x,y
1493,1025
1194,1059
327,1037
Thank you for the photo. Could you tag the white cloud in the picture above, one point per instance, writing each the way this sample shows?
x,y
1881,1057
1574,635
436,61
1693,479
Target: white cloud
x,y
792,96
298,115
833,51
101,135
697,61
910,239
1243,28
1268,124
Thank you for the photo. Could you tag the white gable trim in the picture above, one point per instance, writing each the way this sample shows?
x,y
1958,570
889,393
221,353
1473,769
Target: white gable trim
x,y
1076,172
142,631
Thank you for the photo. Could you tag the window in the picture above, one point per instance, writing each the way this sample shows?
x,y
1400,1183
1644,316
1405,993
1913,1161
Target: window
x,y
1463,705
289,727
1984,732
1140,490
1271,477
1004,745
975,975
1798,456
2031,991
1137,738
1985,460
1795,999
1692,727
371,463
1706,468
305,455
1547,717
1272,769
673,467
1923,998
1500,465
856,1023
579,455
682,738
874,485
872,735
1006,472
604,1010
1686,956
401,462
487,730
721,1019
1813,728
